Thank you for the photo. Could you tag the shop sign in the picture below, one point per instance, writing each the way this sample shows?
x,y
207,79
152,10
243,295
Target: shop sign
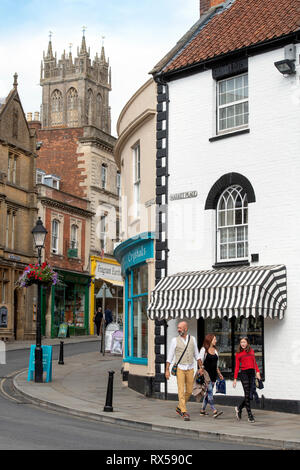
x,y
14,257
138,255
111,272
47,363
186,195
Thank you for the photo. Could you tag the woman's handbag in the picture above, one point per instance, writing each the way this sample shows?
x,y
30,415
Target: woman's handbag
x,y
259,384
221,386
174,368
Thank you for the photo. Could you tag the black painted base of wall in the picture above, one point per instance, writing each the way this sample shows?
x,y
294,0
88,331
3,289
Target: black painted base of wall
x,y
141,384
268,404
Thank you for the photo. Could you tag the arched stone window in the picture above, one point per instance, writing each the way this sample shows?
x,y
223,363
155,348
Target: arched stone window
x,y
72,107
56,108
232,224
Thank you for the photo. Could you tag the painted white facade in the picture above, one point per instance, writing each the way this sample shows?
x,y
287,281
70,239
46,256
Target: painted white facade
x,y
269,157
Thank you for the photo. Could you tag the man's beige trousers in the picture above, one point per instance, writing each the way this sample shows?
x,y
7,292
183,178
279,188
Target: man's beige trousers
x,y
185,380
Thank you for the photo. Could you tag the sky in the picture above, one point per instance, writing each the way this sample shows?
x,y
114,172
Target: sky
x,y
138,33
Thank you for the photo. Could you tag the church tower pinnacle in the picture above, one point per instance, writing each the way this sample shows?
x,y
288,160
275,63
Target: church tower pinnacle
x,y
76,90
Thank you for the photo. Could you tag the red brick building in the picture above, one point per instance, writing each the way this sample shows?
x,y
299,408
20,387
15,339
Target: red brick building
x,y
67,218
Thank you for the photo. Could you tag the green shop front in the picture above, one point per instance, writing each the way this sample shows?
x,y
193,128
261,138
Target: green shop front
x,y
70,304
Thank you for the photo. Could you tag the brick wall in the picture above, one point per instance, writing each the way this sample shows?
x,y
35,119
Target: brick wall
x,y
58,155
61,260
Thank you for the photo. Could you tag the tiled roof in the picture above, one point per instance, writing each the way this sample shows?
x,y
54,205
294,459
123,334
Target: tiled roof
x,y
244,23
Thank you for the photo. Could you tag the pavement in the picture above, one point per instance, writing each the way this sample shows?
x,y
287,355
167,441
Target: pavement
x,y
79,388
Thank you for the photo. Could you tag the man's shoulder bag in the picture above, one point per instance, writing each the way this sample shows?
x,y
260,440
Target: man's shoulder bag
x,y
174,368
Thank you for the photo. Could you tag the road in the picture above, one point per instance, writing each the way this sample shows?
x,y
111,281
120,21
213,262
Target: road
x,y
25,426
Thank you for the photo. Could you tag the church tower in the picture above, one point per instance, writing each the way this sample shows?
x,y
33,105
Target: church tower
x,y
75,91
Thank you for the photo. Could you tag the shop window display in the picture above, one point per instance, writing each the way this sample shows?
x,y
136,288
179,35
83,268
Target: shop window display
x,y
137,324
115,303
69,307
228,333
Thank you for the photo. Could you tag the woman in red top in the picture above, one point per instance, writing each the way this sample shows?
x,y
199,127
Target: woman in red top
x,y
245,359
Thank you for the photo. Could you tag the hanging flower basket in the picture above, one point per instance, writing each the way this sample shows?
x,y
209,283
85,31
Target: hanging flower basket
x,y
38,274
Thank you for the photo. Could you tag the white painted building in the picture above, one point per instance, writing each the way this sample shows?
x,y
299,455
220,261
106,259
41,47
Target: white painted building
x,y
232,190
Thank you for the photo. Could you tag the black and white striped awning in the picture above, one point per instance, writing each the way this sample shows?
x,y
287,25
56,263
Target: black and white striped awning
x,y
240,291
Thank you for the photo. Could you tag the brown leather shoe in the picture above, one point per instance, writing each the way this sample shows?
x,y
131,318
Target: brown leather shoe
x,y
186,417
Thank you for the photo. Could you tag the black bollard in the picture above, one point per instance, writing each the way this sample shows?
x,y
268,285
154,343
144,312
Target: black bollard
x,y
61,353
109,394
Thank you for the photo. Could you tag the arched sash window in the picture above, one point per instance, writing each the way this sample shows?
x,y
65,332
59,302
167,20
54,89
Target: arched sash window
x,y
232,224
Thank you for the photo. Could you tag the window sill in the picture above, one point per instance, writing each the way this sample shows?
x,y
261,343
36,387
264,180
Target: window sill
x,y
228,264
229,134
135,360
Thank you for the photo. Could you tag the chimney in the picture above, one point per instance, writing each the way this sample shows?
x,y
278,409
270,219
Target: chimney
x,y
35,122
205,5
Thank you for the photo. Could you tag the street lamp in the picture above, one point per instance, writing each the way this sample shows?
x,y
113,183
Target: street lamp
x,y
39,235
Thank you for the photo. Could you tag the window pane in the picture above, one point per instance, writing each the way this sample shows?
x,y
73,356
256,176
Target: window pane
x,y
232,250
140,280
230,217
223,235
222,219
238,217
129,350
240,233
240,250
230,123
231,234
230,203
221,328
140,339
223,251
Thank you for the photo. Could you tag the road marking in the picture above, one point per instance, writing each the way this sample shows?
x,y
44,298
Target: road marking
x,y
9,376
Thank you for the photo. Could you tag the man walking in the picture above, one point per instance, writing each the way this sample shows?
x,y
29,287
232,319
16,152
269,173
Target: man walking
x,y
186,344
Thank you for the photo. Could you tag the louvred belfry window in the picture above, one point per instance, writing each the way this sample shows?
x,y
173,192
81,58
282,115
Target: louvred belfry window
x,y
72,103
56,108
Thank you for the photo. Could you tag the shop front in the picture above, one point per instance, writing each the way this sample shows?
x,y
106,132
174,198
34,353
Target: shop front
x,y
70,304
231,303
136,258
106,290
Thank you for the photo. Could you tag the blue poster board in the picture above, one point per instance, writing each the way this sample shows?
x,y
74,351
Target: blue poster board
x,y
63,330
47,362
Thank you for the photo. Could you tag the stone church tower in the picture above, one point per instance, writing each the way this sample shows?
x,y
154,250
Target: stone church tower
x,y
76,91
76,141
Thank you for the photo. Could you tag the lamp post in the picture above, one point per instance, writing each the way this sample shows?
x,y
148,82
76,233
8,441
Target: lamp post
x,y
39,234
